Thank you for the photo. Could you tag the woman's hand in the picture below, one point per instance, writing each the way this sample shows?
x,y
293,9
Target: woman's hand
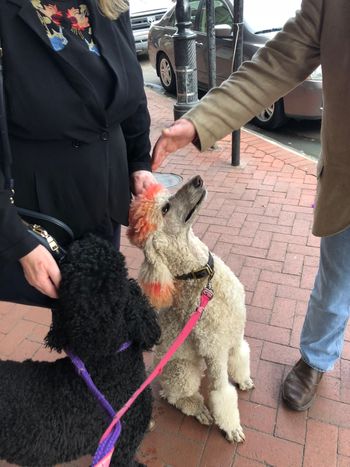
x,y
141,180
178,135
41,271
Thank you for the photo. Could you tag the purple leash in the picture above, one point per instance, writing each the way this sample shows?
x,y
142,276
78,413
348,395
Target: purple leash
x,y
109,443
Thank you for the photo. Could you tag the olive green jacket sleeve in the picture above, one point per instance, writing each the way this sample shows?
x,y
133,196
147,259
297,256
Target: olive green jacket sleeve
x,y
278,67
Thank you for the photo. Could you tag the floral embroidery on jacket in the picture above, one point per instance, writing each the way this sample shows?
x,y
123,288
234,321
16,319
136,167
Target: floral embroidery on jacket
x,y
52,18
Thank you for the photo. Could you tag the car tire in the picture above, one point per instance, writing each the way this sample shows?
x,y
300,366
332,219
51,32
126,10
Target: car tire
x,y
272,117
166,73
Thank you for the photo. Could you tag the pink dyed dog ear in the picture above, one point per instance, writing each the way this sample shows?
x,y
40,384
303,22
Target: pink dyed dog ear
x,y
142,218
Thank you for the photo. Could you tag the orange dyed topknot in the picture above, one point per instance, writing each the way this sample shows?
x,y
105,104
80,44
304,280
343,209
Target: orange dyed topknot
x,y
142,219
151,192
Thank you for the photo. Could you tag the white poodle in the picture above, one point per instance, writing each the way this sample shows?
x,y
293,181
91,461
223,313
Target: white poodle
x,y
176,267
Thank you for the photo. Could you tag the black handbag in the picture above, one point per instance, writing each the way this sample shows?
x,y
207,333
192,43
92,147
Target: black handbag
x,y
13,284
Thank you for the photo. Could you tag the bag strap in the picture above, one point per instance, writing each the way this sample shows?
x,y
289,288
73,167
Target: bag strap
x,y
38,216
5,142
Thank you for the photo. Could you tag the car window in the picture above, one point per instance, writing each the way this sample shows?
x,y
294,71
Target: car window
x,y
268,15
194,5
171,18
222,15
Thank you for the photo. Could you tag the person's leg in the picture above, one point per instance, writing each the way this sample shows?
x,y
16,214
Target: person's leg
x,y
328,312
322,335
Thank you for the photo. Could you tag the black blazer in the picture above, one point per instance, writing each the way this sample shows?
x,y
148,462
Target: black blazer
x,y
72,158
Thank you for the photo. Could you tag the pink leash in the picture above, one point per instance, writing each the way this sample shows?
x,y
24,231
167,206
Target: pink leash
x,y
107,442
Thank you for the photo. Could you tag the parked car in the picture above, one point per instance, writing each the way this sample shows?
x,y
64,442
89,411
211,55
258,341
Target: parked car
x,y
142,15
262,20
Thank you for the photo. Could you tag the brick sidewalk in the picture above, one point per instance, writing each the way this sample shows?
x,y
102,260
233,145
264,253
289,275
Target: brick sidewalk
x,y
258,219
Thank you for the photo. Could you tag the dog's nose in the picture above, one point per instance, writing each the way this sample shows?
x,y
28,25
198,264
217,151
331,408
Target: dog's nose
x,y
197,181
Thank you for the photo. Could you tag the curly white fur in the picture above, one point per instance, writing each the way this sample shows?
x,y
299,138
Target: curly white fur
x,y
216,344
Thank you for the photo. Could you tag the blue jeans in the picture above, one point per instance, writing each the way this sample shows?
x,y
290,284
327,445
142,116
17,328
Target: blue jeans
x,y
322,336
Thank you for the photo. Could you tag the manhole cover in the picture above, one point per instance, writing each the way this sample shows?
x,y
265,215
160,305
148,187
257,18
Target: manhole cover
x,y
168,180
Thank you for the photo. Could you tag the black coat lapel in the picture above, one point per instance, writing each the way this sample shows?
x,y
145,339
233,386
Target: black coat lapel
x,y
113,43
30,17
103,33
104,36
76,79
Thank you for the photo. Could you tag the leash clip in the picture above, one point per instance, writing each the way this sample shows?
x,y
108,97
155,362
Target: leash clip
x,y
210,271
208,290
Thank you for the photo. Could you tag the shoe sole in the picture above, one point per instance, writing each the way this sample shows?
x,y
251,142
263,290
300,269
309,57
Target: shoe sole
x,y
296,407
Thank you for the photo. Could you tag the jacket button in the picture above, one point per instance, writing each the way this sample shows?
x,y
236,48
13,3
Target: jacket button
x,y
104,136
75,144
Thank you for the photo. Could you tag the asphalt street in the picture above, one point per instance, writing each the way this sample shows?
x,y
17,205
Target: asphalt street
x,y
302,136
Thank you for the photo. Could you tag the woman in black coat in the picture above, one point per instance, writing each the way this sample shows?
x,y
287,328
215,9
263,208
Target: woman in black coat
x,y
78,123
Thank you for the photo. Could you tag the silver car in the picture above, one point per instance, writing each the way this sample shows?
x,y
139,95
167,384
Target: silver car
x,y
262,20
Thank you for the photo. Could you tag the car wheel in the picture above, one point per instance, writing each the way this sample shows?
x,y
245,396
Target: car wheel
x,y
166,74
272,117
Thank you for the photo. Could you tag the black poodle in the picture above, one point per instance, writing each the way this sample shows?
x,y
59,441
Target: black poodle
x,y
47,414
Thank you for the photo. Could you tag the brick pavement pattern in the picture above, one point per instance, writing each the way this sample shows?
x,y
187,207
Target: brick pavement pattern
x,y
258,219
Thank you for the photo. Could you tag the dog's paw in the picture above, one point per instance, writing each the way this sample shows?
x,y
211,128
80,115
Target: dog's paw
x,y
246,385
204,416
235,435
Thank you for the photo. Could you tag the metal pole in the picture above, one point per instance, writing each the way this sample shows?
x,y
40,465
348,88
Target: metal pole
x,y
238,56
185,60
210,7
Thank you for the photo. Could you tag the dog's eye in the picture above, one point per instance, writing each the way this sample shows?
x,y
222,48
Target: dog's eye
x,y
165,208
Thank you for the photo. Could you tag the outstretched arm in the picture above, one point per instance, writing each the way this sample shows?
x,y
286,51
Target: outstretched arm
x,y
278,67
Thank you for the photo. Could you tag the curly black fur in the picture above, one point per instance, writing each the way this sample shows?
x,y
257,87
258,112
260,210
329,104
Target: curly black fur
x,y
47,415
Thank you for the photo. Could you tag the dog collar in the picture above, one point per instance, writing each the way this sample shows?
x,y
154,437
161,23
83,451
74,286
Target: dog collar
x,y
206,271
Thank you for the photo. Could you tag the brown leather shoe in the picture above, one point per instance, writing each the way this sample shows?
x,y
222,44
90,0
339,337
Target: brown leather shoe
x,y
300,386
